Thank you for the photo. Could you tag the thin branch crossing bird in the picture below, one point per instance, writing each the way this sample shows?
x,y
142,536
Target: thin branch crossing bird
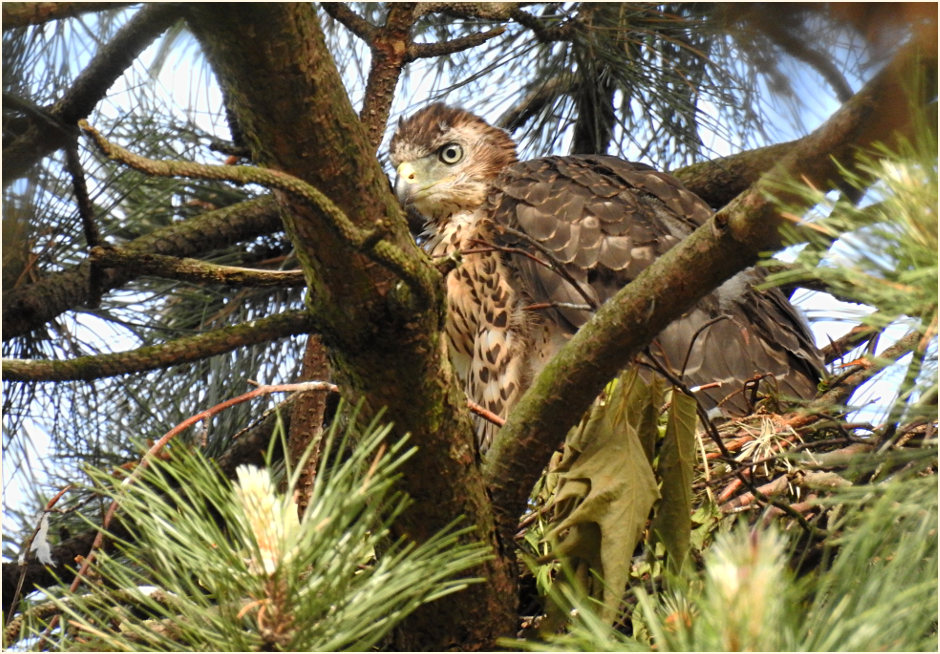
x,y
543,243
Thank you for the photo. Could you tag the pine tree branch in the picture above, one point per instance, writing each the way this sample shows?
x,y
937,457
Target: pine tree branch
x,y
389,45
369,241
731,241
481,10
545,33
355,23
31,306
392,47
88,89
720,180
21,14
856,375
153,357
148,458
247,446
839,347
424,50
193,270
536,100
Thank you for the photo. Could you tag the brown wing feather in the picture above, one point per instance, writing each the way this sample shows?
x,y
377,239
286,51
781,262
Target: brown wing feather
x,y
604,220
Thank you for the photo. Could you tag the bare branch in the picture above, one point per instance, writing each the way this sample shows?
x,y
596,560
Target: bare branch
x,y
21,14
389,45
839,347
422,50
483,10
31,306
544,33
153,357
193,270
355,23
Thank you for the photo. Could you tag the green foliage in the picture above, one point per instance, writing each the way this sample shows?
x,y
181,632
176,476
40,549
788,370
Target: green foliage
x,y
673,521
869,581
607,482
212,565
606,489
882,252
875,590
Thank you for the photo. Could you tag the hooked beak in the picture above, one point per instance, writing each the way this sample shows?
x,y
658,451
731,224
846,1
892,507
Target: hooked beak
x,y
407,183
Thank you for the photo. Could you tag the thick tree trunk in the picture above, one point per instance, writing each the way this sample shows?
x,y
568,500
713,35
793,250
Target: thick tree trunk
x,y
383,337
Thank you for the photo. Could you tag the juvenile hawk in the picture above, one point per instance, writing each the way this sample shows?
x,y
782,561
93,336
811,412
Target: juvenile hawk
x,y
544,242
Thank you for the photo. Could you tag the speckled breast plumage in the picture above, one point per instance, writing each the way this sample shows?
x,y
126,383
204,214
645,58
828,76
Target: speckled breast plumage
x,y
488,329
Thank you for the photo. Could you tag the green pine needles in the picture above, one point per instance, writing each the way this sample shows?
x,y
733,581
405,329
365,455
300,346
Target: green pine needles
x,y
217,565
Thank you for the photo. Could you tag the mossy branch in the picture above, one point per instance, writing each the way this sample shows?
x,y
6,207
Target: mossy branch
x,y
367,241
152,357
193,270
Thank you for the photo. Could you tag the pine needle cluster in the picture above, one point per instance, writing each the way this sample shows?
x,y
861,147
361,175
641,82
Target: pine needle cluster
x,y
217,565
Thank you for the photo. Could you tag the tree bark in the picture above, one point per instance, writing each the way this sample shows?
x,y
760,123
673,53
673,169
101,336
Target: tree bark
x,y
21,14
382,335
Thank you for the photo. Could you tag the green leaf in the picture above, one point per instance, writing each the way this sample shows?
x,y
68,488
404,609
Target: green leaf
x,y
673,521
605,492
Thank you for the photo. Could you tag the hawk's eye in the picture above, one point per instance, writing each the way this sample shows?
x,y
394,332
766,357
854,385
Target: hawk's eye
x,y
450,153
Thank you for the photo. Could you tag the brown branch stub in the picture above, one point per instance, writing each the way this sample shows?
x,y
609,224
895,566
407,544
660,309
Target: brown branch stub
x,y
152,357
193,270
305,434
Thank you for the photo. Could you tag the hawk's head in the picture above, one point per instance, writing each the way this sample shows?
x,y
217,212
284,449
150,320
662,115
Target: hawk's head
x,y
446,159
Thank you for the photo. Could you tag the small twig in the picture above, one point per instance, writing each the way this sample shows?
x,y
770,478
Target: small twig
x,y
855,377
839,347
553,263
778,485
86,209
538,306
26,548
230,149
698,332
485,413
